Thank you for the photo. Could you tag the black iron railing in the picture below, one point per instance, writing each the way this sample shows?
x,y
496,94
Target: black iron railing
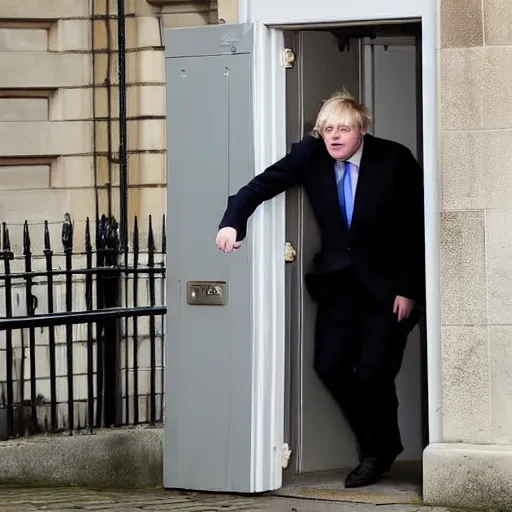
x,y
95,347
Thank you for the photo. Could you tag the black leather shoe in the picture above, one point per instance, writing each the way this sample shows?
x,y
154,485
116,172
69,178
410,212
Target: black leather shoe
x,y
369,471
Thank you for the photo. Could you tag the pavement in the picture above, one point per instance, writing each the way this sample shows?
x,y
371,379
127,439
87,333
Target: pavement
x,y
73,499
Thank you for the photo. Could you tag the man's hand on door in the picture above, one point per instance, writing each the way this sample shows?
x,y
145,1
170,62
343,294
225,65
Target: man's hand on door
x,y
226,240
403,308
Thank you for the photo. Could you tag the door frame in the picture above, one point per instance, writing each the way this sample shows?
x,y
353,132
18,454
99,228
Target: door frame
x,y
268,235
294,301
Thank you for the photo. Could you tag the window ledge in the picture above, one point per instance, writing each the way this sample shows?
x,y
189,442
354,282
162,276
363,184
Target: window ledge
x,y
164,2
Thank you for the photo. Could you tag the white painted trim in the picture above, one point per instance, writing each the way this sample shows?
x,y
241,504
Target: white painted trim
x,y
268,272
432,221
290,13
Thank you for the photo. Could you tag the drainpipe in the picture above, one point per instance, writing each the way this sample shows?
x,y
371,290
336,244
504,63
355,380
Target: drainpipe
x,y
94,121
123,159
244,11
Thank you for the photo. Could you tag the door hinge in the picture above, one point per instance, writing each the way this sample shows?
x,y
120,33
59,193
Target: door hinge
x,y
290,253
288,58
286,453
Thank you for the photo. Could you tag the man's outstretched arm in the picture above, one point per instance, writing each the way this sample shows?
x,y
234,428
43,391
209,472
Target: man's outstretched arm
x,y
277,178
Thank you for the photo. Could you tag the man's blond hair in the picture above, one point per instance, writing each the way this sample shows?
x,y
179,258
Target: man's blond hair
x,y
341,109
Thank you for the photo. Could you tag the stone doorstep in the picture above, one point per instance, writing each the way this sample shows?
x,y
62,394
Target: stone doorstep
x,y
466,476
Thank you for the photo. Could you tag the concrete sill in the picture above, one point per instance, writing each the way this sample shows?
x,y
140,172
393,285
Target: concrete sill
x,y
122,458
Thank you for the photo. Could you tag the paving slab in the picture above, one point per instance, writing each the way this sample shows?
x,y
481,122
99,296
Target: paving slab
x,y
76,499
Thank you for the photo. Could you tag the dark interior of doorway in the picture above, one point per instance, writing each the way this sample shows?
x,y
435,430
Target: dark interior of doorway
x,y
403,483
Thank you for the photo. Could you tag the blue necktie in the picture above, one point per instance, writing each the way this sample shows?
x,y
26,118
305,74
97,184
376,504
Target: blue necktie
x,y
345,194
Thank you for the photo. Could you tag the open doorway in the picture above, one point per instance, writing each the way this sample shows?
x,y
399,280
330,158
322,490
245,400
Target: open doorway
x,y
381,66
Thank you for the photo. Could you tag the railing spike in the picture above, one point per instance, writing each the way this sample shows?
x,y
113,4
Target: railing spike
x,y
26,239
88,245
67,233
6,240
47,242
151,236
136,234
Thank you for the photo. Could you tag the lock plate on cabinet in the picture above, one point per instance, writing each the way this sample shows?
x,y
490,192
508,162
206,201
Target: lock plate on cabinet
x,y
207,293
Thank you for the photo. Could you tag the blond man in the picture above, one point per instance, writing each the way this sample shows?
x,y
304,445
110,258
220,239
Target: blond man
x,y
366,194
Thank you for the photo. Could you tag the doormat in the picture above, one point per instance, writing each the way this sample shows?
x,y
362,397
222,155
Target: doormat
x,y
349,496
400,487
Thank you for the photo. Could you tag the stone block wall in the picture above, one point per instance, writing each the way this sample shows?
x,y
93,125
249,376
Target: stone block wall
x,y
146,110
476,250
59,106
45,128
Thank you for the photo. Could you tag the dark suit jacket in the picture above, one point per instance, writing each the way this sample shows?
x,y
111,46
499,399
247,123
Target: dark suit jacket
x,y
385,242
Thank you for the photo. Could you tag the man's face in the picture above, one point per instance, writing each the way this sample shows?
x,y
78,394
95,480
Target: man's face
x,y
342,141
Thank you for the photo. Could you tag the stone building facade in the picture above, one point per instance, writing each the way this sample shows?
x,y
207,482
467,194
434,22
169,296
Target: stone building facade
x,y
475,164
59,106
59,103
59,153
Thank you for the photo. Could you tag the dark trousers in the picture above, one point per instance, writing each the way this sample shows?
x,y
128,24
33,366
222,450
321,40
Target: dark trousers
x,y
358,352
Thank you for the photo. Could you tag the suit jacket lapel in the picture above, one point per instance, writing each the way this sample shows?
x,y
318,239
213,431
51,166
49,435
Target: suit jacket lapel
x,y
367,171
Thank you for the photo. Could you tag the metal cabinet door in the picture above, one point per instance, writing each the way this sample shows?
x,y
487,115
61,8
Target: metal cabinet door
x,y
215,422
